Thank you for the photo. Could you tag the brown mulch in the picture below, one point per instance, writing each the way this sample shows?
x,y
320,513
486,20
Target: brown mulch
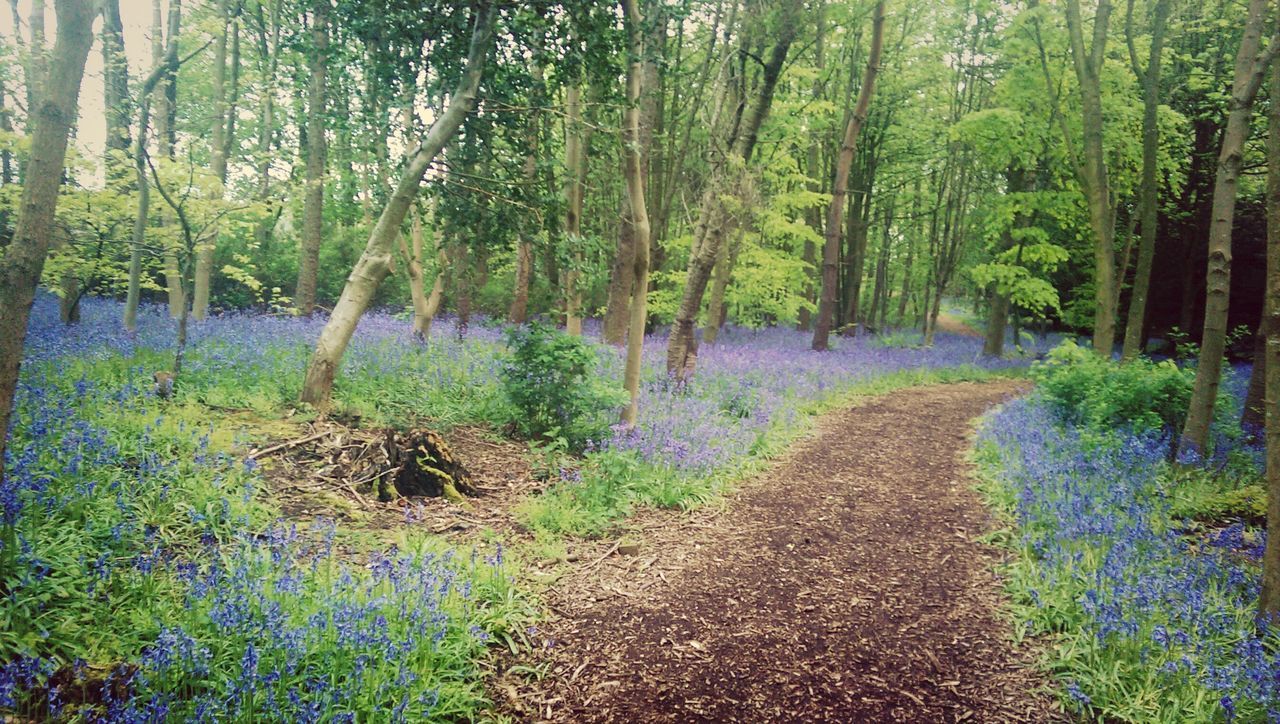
x,y
844,584
320,471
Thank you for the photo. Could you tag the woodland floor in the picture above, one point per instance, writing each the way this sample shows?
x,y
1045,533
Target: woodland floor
x,y
847,583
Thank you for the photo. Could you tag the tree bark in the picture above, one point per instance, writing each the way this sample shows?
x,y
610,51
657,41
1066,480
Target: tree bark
x,y
313,198
1150,190
1269,600
1093,168
633,174
1251,67
218,163
831,245
713,214
575,169
519,310
373,265
24,257
115,93
424,306
727,259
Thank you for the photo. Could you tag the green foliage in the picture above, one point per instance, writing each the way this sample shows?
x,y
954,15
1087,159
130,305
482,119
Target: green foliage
x,y
1086,389
548,379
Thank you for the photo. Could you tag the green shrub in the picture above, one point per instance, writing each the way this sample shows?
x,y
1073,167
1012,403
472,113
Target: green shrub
x,y
547,376
1086,389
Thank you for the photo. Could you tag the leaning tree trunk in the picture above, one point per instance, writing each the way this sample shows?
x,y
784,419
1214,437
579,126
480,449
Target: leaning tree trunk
x,y
374,263
24,257
1269,600
713,214
313,198
849,145
633,174
1150,189
1251,66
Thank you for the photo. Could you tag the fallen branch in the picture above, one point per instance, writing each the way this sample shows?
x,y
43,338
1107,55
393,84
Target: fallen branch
x,y
255,454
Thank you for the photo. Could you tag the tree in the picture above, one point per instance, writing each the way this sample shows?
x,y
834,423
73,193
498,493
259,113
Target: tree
x,y
714,211
848,146
1251,67
632,171
1093,167
1269,600
1150,191
313,204
374,263
24,257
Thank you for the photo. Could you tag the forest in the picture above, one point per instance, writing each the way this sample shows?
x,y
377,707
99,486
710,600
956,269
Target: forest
x,y
658,360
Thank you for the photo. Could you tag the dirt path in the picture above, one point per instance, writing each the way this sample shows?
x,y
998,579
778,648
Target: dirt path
x,y
844,584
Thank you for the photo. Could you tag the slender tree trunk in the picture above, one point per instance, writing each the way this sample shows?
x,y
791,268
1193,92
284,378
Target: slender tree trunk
x,y
373,264
633,174
727,259
831,245
519,310
575,170
115,97
1093,169
1251,66
1269,601
313,198
24,257
813,170
1253,416
1150,190
622,270
165,95
424,306
140,219
218,163
713,215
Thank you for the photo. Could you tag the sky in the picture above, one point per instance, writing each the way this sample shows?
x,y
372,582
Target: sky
x,y
136,15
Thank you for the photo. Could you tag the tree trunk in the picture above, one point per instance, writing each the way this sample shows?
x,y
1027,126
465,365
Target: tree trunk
x,y
1150,190
1251,66
166,95
633,174
218,164
115,89
1093,169
373,265
713,214
1253,416
424,306
1269,600
313,198
24,257
621,277
575,170
813,171
831,243
728,257
519,310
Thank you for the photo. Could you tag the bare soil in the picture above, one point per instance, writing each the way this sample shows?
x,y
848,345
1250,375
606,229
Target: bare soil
x,y
845,584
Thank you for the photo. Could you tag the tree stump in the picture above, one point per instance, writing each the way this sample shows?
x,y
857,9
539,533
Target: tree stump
x,y
424,466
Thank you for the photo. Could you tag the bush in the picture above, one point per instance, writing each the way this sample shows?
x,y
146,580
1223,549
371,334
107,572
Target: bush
x,y
548,377
1098,393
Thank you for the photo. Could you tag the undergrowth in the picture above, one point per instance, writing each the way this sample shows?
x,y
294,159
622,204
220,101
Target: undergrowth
x,y
1142,574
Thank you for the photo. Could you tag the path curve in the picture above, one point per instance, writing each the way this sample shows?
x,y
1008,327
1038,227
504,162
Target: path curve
x,y
844,584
